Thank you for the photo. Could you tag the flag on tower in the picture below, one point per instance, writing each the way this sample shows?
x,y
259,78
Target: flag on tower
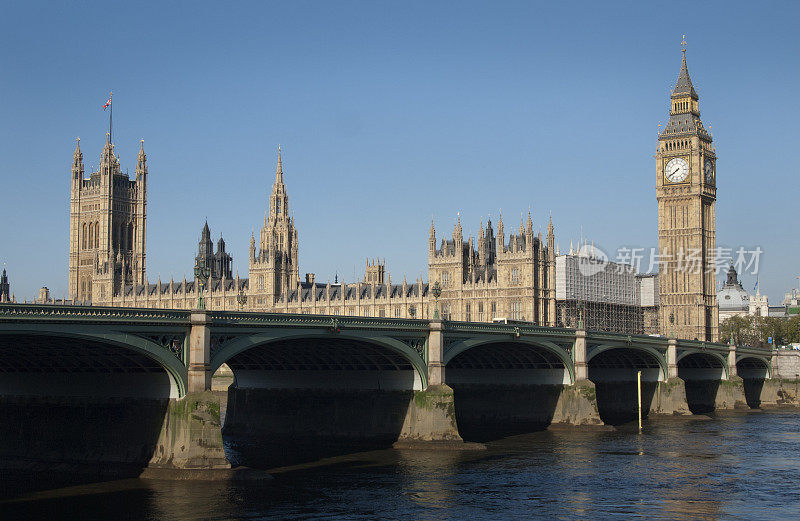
x,y
108,103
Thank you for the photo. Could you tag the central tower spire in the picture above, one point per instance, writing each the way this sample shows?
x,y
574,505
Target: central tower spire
x,y
279,169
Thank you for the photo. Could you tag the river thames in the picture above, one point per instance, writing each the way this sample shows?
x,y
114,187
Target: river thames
x,y
743,465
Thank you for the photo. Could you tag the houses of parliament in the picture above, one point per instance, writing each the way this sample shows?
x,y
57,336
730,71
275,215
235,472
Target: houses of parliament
x,y
489,276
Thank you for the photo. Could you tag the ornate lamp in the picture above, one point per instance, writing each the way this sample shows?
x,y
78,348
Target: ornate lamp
x,y
437,292
200,277
412,311
671,325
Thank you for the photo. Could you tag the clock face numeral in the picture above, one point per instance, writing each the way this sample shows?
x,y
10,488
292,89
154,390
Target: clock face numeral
x,y
709,170
677,170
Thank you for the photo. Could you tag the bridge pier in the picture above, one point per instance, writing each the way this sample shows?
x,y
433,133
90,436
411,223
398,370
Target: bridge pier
x,y
191,435
199,363
670,396
732,372
672,357
579,356
430,421
435,354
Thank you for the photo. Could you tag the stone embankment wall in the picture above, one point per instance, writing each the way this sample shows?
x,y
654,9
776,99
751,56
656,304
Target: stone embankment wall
x,y
788,364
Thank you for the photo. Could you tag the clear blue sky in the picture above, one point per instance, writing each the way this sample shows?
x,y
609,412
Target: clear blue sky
x,y
388,114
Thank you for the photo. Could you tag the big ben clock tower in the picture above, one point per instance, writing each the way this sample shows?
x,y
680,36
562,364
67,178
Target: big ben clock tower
x,y
686,180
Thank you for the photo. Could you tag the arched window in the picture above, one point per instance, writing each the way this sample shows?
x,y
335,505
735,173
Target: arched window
x,y
130,236
261,282
91,235
83,289
96,234
83,236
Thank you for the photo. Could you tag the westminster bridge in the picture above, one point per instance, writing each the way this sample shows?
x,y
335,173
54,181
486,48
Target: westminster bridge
x,y
134,385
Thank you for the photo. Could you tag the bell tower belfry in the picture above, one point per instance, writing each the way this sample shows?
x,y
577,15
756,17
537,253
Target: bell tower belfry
x,y
686,179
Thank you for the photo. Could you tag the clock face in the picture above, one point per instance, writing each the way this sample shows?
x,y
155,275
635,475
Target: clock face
x,y
709,170
677,170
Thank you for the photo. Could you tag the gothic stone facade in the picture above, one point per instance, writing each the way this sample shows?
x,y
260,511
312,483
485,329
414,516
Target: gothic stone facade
x,y
108,212
489,278
493,279
481,279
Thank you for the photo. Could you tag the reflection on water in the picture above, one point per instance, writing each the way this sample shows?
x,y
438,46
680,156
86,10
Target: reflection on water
x,y
737,466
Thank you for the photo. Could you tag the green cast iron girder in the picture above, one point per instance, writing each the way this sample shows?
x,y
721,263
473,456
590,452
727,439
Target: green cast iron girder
x,y
261,337
722,359
118,338
92,314
460,346
761,359
482,328
294,320
655,353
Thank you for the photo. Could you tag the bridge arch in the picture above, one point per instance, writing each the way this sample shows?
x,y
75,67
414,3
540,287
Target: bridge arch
x,y
131,350
702,373
629,356
549,348
506,385
88,393
696,359
613,369
752,366
304,394
753,370
240,345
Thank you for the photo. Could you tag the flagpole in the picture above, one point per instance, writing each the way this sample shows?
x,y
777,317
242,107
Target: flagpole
x,y
110,118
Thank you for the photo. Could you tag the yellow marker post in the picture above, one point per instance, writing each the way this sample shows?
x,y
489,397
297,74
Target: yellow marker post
x,y
639,396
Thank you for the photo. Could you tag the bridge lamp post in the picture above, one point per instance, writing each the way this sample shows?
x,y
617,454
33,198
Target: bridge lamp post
x,y
241,298
672,325
437,292
200,276
412,311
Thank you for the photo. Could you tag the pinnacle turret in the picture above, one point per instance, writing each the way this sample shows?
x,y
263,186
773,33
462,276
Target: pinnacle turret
x,y
77,160
141,160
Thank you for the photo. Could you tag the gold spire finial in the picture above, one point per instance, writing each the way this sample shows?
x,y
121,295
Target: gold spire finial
x,y
683,44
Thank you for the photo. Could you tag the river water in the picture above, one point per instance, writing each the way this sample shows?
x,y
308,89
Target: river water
x,y
734,466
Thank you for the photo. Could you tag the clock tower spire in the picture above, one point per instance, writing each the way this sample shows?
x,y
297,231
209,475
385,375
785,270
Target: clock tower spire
x,y
686,194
